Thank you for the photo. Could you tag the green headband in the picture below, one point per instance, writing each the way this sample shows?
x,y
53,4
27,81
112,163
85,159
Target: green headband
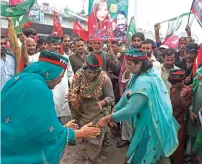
x,y
54,40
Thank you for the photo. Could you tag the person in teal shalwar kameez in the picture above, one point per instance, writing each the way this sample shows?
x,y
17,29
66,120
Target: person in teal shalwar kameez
x,y
146,103
30,130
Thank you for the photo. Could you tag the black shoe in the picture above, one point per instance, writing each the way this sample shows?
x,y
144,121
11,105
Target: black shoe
x,y
72,144
122,143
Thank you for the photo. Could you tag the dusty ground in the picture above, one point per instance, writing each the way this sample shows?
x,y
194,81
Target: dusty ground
x,y
109,155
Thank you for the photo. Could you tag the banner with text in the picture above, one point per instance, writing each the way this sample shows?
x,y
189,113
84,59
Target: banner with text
x,y
108,20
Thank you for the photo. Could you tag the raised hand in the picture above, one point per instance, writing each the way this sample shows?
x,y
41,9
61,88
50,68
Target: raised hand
x,y
10,22
188,30
157,27
22,38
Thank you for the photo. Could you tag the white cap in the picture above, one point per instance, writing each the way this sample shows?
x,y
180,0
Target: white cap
x,y
164,47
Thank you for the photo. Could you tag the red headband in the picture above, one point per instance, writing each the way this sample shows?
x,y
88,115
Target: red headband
x,y
136,57
53,62
174,78
92,65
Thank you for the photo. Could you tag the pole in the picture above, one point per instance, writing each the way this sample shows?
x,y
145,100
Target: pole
x,y
190,12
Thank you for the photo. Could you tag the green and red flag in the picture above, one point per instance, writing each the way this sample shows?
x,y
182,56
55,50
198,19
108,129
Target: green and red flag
x,y
198,61
21,22
197,10
16,10
176,29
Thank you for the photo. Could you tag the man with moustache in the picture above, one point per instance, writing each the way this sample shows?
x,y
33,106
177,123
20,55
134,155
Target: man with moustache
x,y
120,31
137,40
89,46
169,58
186,64
28,50
148,46
79,58
108,59
42,44
65,43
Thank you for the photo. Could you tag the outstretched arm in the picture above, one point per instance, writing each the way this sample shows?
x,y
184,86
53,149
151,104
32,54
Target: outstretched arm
x,y
14,43
135,104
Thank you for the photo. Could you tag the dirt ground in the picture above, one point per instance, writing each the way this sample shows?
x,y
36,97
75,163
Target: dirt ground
x,y
109,155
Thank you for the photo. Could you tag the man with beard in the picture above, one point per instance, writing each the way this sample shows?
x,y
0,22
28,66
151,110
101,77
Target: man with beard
x,y
108,59
59,92
79,58
29,54
169,59
148,46
42,44
89,46
120,33
186,64
137,40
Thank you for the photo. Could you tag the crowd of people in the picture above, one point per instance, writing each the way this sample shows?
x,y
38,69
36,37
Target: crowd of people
x,y
57,92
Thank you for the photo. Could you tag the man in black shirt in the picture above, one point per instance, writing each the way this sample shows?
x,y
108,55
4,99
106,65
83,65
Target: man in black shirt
x,y
187,63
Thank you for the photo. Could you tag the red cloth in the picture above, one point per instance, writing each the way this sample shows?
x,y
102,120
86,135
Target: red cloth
x,y
178,156
78,30
198,61
22,66
15,2
26,25
172,41
57,28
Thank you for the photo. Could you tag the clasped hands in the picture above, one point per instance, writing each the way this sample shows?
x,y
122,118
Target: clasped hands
x,y
105,120
88,130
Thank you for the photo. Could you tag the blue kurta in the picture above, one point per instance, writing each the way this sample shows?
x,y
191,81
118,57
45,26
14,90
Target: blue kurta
x,y
146,103
30,130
